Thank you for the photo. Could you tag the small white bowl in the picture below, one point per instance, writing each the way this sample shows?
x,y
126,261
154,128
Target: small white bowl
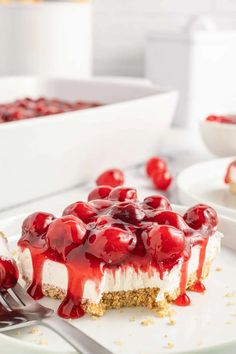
x,y
220,138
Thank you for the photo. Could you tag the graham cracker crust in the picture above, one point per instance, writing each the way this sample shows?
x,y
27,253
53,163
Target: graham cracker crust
x,y
145,297
232,187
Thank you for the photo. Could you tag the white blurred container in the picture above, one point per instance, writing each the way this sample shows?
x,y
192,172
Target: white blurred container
x,y
48,38
200,63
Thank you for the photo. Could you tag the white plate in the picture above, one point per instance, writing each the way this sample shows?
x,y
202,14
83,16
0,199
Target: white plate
x,y
209,325
204,183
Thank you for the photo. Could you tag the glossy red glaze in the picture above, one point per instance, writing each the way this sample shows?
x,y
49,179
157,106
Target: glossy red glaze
x,y
123,194
113,177
31,108
105,234
155,164
100,192
182,300
198,287
84,211
157,202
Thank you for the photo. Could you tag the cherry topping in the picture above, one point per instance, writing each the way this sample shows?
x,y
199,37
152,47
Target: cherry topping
x,y
165,242
168,217
37,223
100,192
8,273
111,244
157,202
155,164
100,204
84,211
162,179
202,217
128,212
65,233
113,177
122,194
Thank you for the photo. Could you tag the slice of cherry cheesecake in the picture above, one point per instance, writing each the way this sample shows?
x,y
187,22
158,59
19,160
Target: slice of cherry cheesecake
x,y
114,251
8,269
230,177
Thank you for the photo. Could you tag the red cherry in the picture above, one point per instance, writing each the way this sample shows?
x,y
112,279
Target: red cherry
x,y
128,212
8,273
112,244
157,202
34,226
101,192
64,233
165,242
84,211
162,180
122,194
168,217
113,177
155,164
101,204
201,217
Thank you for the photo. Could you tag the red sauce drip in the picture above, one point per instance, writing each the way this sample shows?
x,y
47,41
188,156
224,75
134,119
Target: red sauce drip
x,y
227,175
182,300
94,237
198,287
202,255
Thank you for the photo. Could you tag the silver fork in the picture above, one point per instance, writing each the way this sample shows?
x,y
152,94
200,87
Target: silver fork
x,y
18,309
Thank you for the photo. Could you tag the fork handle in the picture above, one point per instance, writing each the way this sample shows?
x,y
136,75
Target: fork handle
x,y
80,341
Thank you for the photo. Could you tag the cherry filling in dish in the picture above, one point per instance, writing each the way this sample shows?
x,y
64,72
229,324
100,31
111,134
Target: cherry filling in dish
x,y
30,108
114,251
229,119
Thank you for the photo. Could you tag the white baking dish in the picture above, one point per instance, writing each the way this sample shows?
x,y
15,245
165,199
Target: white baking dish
x,y
44,155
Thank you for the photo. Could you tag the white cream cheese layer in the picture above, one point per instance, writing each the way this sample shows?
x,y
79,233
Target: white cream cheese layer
x,y
55,274
4,251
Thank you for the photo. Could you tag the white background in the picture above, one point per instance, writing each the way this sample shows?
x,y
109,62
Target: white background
x,y
120,27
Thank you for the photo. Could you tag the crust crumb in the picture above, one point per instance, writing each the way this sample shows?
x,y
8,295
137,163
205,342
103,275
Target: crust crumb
x,y
132,319
218,269
119,342
231,303
170,345
171,322
228,322
230,294
34,330
147,322
41,341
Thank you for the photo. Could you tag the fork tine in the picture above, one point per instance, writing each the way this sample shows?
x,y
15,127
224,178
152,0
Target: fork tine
x,y
10,301
3,305
3,309
22,295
